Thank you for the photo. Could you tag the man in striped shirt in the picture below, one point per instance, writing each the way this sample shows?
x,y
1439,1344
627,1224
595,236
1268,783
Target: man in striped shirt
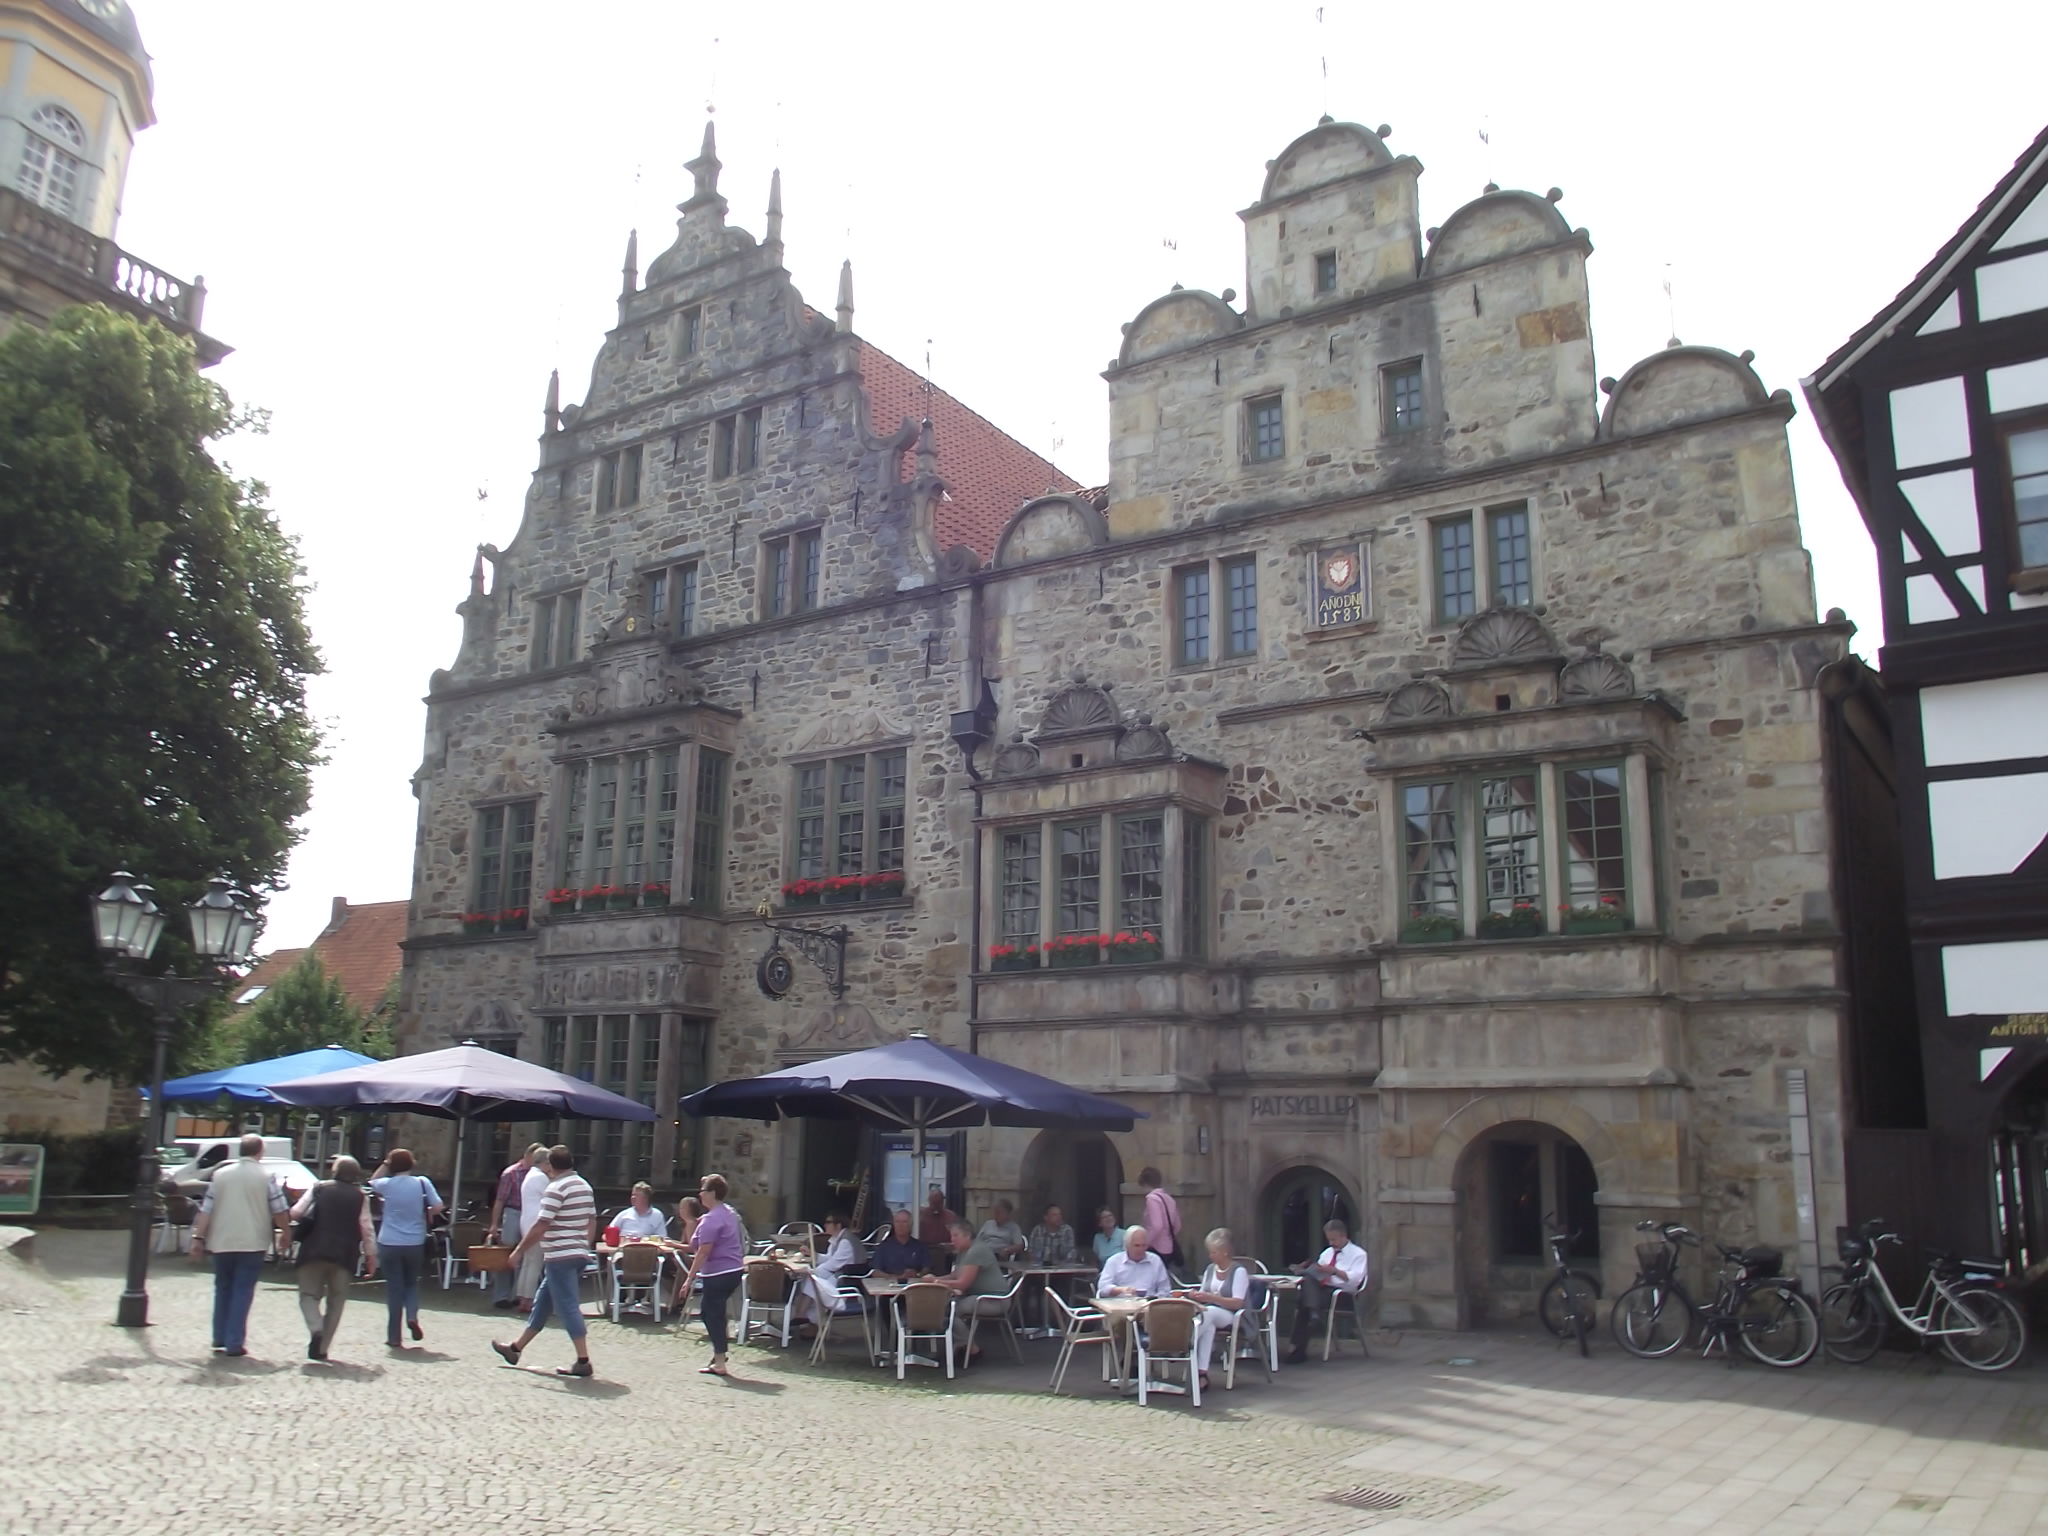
x,y
562,1229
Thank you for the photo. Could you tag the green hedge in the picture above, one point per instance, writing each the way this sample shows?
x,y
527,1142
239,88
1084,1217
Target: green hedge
x,y
98,1163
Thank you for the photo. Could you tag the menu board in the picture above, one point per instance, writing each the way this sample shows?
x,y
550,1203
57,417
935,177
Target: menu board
x,y
1339,581
21,1178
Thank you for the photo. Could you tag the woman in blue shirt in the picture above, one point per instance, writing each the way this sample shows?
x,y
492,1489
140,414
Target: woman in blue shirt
x,y
1109,1237
410,1203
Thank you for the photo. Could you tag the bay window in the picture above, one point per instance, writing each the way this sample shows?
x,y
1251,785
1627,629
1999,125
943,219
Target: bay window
x,y
621,825
1118,886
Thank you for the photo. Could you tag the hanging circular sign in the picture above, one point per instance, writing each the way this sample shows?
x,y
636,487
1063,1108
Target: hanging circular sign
x,y
775,975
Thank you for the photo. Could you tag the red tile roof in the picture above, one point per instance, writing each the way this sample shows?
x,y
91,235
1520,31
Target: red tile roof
x,y
989,472
359,946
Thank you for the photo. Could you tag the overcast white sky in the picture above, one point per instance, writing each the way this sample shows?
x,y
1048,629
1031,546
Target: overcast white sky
x,y
408,213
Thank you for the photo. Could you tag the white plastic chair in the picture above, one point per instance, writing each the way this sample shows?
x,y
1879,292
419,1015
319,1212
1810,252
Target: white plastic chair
x,y
848,1300
924,1311
1347,1301
978,1309
1080,1327
768,1301
455,1240
1254,1335
636,1278
1166,1336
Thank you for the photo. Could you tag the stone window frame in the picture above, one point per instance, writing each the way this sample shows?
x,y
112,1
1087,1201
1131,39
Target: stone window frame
x,y
556,631
1391,422
1219,619
1639,896
1324,264
1250,456
793,572
616,478
1482,525
690,328
53,172
675,594
495,883
1186,838
876,856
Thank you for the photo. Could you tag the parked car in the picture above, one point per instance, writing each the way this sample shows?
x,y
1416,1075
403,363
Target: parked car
x,y
204,1154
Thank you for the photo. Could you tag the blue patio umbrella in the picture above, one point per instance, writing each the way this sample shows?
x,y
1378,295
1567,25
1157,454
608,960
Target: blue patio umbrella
x,y
462,1083
251,1081
915,1085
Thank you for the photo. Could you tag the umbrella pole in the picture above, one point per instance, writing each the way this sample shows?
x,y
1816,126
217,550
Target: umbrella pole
x,y
455,1194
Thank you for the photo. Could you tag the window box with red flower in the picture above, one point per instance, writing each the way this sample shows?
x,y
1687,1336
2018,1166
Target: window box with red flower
x,y
1133,948
595,898
654,894
1013,957
1606,916
512,920
1429,928
843,890
562,899
625,897
1521,921
475,923
1073,950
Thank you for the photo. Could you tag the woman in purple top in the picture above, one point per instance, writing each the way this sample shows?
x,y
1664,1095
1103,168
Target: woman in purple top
x,y
719,1262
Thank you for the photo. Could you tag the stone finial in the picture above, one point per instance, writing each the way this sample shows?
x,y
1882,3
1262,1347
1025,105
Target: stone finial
x,y
846,295
476,574
705,168
927,449
774,235
630,272
553,409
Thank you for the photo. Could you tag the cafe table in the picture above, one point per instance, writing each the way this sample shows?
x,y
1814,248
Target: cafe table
x,y
885,1290
1123,1313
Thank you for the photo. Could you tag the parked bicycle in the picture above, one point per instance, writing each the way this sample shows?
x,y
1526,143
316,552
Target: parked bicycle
x,y
1962,1304
1755,1304
1569,1304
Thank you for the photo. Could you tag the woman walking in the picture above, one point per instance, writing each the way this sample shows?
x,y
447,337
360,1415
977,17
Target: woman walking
x,y
410,1202
333,1226
719,1261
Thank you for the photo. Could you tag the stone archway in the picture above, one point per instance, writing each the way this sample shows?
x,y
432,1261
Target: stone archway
x,y
1079,1171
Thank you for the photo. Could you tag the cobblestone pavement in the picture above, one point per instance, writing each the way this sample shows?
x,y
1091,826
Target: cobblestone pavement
x,y
1470,1433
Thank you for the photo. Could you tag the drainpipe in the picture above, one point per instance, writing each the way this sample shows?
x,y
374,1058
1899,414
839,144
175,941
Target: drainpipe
x,y
1802,1179
973,726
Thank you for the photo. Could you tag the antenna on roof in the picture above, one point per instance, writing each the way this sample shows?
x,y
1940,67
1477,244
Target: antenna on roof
x,y
927,378
1325,56
1486,138
1670,306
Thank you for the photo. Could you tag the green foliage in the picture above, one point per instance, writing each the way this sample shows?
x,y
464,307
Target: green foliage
x,y
304,1010
153,661
96,1163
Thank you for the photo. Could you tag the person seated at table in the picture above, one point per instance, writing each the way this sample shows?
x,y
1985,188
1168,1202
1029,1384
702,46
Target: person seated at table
x,y
1226,1286
1052,1240
641,1220
1002,1233
899,1255
689,1211
1109,1237
1340,1268
976,1279
1137,1271
935,1221
819,1293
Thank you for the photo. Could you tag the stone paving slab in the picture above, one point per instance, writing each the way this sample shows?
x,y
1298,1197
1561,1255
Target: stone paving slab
x,y
149,1432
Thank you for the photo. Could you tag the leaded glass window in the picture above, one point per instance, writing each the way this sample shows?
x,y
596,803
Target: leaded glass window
x,y
1431,849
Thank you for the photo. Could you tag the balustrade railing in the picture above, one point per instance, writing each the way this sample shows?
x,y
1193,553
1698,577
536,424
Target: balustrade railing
x,y
77,249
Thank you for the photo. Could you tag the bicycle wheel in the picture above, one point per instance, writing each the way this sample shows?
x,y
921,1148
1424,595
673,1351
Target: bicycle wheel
x,y
1651,1320
1556,1310
1778,1326
1981,1329
1851,1323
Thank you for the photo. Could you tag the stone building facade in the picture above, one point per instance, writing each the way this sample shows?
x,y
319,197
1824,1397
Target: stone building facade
x,y
1403,780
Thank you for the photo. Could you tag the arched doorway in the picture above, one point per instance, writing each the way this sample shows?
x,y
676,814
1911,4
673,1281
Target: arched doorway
x,y
1297,1203
1079,1171
1514,1179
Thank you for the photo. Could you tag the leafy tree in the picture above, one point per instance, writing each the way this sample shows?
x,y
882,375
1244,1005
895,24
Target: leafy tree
x,y
303,1010
153,662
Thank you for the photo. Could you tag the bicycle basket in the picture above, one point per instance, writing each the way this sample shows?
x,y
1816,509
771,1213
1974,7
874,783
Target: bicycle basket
x,y
1850,1246
1762,1263
1654,1259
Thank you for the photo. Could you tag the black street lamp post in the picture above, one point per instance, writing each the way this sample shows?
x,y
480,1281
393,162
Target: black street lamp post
x,y
127,924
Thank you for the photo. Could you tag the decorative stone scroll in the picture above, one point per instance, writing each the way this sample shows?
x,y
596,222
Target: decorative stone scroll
x,y
1016,758
1423,699
1143,740
833,1031
1501,634
1079,710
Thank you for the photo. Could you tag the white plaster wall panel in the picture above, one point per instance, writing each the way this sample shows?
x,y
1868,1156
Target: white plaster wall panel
x,y
1947,504
1947,316
1988,722
2019,386
2030,226
2013,287
1996,978
1930,423
1926,603
1972,578
1986,826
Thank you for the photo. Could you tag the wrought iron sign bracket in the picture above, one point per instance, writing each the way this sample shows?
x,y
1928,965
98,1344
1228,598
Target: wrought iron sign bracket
x,y
823,947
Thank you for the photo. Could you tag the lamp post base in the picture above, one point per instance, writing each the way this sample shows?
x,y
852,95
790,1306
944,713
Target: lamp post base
x,y
133,1310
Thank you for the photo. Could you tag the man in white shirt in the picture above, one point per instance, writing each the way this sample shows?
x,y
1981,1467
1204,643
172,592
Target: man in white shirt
x,y
641,1219
1136,1271
244,1218
1340,1270
532,1190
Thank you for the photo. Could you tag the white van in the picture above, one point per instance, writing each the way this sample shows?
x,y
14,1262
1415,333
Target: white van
x,y
206,1153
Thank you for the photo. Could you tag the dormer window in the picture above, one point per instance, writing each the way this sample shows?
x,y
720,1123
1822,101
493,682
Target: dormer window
x,y
1326,273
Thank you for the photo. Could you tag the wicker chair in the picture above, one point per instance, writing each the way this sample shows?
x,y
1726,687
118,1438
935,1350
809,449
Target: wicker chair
x,y
924,1311
636,1277
1167,1337
768,1301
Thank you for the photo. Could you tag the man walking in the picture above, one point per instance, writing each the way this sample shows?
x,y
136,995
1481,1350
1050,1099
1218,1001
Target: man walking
x,y
1161,1220
561,1228
334,1234
506,1206
243,1219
